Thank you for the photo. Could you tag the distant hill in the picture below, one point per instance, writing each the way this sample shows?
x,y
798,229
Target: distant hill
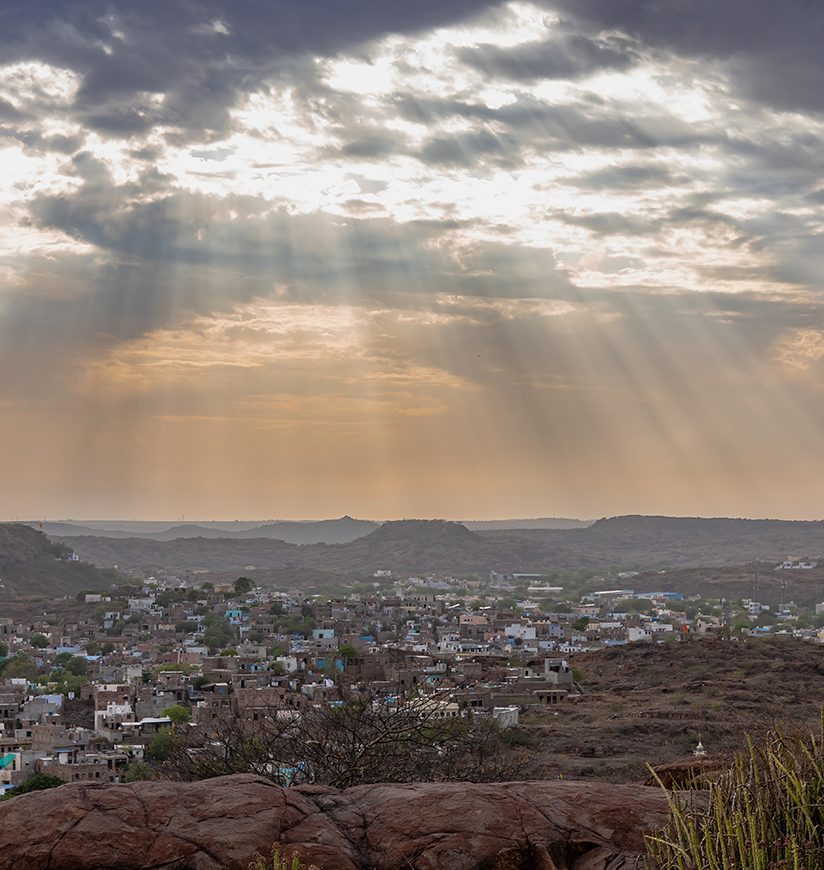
x,y
31,563
537,523
186,554
409,545
637,543
337,531
67,529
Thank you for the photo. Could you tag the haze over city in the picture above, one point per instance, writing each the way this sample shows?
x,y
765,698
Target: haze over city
x,y
442,259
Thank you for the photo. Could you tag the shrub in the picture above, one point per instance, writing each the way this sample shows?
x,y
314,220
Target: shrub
x,y
38,782
276,861
767,811
138,771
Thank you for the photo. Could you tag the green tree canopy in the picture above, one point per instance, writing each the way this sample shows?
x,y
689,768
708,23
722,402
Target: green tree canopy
x,y
162,745
77,665
347,651
20,666
38,782
138,771
177,713
244,585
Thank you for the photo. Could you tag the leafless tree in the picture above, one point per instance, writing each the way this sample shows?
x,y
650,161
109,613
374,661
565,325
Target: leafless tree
x,y
360,739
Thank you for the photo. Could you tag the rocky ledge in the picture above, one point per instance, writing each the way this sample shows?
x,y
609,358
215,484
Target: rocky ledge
x,y
225,822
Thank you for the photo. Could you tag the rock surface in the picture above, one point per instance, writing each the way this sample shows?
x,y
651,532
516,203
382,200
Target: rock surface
x,y
225,822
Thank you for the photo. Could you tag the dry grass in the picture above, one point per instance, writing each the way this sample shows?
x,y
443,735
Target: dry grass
x,y
765,813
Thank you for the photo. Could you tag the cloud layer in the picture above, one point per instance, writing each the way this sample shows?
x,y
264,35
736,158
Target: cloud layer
x,y
452,259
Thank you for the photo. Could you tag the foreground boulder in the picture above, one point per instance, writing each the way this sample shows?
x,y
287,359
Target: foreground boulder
x,y
225,822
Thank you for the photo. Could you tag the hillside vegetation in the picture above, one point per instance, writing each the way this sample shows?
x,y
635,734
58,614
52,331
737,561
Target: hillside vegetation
x,y
31,563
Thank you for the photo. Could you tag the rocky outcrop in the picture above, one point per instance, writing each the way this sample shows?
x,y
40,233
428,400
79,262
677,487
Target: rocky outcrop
x,y
681,773
225,822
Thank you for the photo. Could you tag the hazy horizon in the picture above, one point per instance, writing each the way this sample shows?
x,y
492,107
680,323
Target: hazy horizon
x,y
442,260
488,519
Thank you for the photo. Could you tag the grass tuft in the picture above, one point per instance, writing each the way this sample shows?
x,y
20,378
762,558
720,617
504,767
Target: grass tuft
x,y
765,813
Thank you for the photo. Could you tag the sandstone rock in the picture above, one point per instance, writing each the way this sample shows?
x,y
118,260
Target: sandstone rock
x,y
225,822
679,774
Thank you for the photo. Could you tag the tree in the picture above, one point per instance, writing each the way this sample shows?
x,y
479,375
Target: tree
x,y
20,666
244,585
38,782
363,740
107,648
39,641
177,713
77,665
4,650
162,746
139,771
218,632
581,623
347,651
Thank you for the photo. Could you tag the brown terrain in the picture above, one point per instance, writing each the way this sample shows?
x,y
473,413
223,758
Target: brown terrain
x,y
651,703
222,824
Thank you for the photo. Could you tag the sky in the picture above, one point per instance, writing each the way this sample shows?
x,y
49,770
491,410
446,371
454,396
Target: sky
x,y
442,259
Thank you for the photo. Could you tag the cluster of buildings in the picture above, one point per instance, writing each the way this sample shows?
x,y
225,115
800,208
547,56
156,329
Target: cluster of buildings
x,y
86,687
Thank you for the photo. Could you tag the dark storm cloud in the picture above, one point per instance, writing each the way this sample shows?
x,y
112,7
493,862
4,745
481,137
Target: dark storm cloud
x,y
216,252
200,56
38,142
467,149
635,177
772,49
372,145
564,56
8,112
561,127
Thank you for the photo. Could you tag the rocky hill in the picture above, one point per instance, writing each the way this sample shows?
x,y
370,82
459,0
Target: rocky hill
x,y
223,823
31,563
651,703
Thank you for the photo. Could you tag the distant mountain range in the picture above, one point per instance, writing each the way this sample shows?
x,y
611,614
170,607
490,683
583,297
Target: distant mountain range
x,y
631,542
337,531
293,532
29,563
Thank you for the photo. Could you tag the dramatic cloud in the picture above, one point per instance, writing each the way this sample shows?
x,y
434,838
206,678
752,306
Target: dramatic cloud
x,y
450,258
